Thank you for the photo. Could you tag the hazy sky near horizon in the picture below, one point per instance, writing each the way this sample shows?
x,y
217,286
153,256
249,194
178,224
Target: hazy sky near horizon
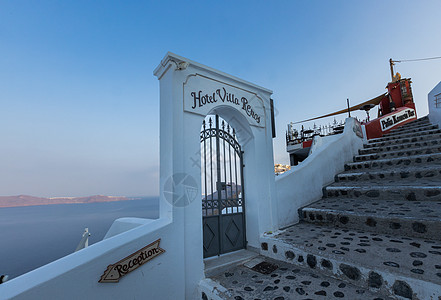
x,y
79,102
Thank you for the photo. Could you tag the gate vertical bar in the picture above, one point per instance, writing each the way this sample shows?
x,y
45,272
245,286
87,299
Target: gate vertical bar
x,y
243,199
225,169
218,180
210,122
231,174
235,171
211,174
205,172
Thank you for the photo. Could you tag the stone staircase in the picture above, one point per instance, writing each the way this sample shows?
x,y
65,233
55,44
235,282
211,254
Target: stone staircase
x,y
378,226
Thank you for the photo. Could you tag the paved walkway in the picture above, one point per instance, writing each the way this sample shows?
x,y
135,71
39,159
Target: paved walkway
x,y
286,282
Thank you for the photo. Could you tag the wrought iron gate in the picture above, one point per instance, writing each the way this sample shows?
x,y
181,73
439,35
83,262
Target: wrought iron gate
x,y
223,201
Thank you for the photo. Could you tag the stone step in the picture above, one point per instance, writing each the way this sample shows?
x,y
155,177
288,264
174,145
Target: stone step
x,y
218,264
414,139
414,130
423,120
287,281
398,153
425,189
413,124
405,146
394,217
416,172
396,162
409,126
394,265
404,135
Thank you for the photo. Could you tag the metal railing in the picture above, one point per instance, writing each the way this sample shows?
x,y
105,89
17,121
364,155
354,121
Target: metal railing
x,y
296,136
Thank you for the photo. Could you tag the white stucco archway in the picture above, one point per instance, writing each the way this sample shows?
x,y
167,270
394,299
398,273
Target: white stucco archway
x,y
188,92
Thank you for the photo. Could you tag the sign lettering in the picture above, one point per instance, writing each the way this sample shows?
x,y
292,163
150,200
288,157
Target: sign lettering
x,y
114,272
202,95
390,121
222,95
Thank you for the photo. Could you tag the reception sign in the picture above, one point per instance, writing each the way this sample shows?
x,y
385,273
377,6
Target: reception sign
x,y
126,265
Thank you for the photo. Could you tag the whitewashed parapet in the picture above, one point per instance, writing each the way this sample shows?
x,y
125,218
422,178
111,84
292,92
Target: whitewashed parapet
x,y
303,184
125,224
76,276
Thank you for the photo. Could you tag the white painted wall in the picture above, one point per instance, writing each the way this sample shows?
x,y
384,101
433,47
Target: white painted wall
x,y
125,224
303,184
184,122
76,276
175,274
434,112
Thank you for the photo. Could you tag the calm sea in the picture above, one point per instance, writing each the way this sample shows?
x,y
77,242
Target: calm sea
x,y
33,236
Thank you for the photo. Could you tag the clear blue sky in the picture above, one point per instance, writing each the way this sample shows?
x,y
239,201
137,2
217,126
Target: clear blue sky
x,y
79,103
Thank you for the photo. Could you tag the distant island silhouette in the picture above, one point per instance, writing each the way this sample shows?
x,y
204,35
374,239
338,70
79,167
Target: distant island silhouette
x,y
26,200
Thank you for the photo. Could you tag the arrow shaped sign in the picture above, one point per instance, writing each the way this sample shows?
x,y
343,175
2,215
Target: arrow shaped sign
x,y
126,265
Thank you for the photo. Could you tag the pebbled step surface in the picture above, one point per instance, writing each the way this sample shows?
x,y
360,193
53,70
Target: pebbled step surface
x,y
404,181
389,147
411,126
411,257
395,192
407,140
415,172
404,135
393,163
412,218
388,264
414,124
404,146
398,153
288,281
416,129
424,119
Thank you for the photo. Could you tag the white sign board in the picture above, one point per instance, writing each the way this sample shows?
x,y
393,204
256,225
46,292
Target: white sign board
x,y
202,94
391,121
